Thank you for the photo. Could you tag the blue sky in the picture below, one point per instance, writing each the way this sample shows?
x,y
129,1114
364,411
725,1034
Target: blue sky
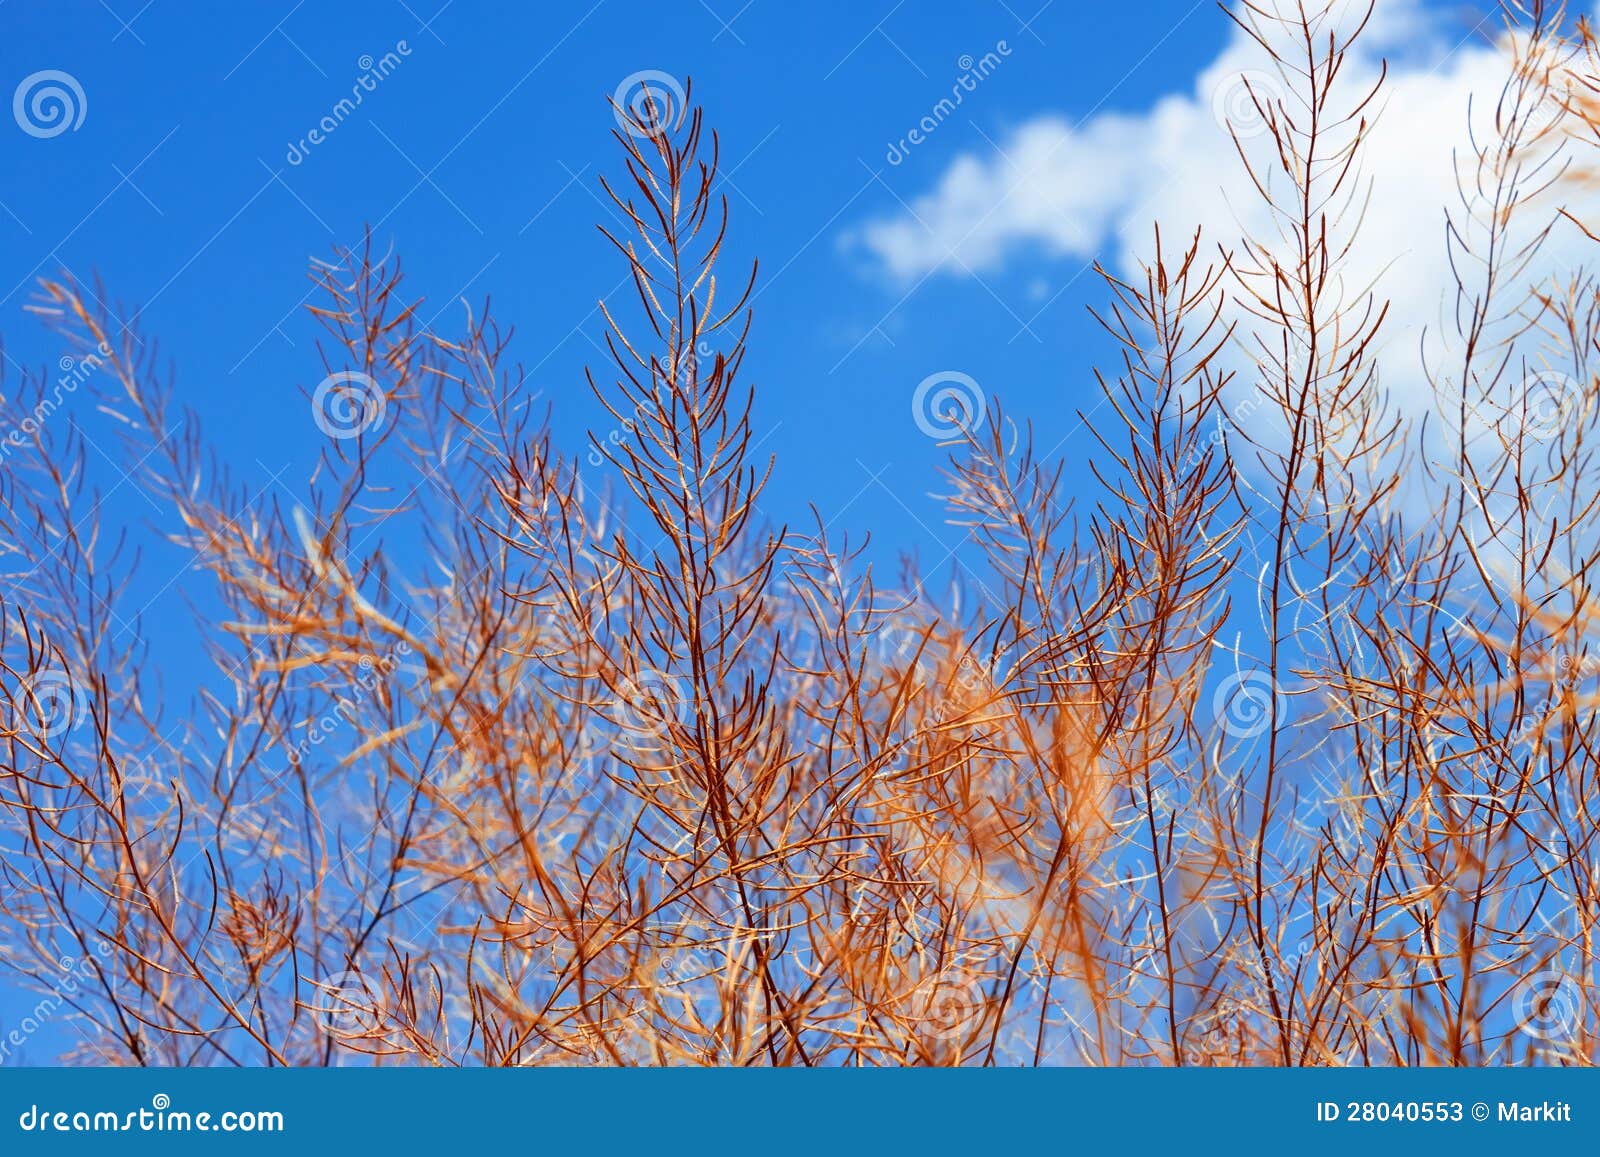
x,y
478,159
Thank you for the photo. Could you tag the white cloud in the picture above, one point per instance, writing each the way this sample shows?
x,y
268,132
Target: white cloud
x,y
1078,191
1069,188
1056,186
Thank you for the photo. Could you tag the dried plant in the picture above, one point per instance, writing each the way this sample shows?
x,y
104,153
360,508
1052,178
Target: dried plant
x,y
1273,741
